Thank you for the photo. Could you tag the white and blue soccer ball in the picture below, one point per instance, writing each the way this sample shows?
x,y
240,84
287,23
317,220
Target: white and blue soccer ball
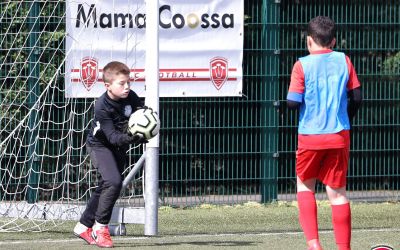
x,y
144,122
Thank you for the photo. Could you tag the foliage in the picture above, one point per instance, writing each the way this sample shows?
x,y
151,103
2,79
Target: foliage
x,y
391,65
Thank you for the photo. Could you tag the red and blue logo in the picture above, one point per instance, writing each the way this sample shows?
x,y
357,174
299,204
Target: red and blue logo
x,y
382,247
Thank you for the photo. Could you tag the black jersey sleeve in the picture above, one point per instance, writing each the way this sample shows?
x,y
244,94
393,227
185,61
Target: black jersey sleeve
x,y
354,102
293,104
107,129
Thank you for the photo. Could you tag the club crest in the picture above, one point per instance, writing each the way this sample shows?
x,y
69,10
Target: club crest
x,y
127,110
89,72
218,71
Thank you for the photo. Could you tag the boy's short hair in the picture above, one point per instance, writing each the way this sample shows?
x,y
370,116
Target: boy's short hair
x,y
322,29
112,69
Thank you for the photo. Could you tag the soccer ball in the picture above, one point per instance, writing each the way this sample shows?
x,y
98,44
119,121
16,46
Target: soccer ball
x,y
144,122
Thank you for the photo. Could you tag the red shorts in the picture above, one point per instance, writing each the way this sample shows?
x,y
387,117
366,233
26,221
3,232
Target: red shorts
x,y
327,165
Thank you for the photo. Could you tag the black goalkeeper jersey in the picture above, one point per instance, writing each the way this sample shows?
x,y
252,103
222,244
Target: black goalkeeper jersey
x,y
110,121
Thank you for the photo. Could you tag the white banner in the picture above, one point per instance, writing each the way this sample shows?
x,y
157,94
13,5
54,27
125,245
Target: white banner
x,y
201,46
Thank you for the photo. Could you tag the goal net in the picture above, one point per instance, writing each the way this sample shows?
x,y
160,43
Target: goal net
x,y
46,176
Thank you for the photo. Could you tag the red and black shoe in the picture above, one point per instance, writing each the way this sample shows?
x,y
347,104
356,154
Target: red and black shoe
x,y
102,237
86,236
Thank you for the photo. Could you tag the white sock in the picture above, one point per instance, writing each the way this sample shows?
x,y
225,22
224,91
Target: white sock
x,y
80,228
97,226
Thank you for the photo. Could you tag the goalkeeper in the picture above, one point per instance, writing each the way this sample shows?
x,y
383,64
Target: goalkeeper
x,y
321,84
107,144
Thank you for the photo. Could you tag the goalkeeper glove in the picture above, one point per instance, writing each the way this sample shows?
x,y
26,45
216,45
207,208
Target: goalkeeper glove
x,y
138,139
145,107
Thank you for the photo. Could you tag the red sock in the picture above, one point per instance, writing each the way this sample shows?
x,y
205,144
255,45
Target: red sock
x,y
341,220
308,214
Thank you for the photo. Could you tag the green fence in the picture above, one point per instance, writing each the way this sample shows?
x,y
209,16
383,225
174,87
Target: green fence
x,y
230,149
235,149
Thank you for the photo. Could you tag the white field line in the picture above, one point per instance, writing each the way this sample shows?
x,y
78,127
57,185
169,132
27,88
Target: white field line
x,y
117,239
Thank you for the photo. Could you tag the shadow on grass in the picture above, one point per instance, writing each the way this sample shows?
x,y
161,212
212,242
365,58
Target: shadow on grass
x,y
193,243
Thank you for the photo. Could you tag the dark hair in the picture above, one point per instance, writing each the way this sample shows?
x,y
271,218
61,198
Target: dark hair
x,y
114,68
322,29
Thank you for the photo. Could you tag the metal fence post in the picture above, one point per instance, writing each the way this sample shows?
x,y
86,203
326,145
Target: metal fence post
x,y
33,87
270,15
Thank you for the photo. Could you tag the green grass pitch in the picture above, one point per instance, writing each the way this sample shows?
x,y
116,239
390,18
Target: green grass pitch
x,y
247,226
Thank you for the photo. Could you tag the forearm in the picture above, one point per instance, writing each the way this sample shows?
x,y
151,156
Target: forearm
x,y
113,135
293,104
354,102
119,139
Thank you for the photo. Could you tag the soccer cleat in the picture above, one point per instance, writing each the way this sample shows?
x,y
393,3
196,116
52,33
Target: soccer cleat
x,y
102,237
86,236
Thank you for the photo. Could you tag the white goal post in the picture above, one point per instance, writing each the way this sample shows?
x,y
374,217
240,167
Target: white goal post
x,y
152,100
46,176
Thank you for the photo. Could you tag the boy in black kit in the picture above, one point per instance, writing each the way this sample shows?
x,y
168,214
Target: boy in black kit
x,y
107,144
